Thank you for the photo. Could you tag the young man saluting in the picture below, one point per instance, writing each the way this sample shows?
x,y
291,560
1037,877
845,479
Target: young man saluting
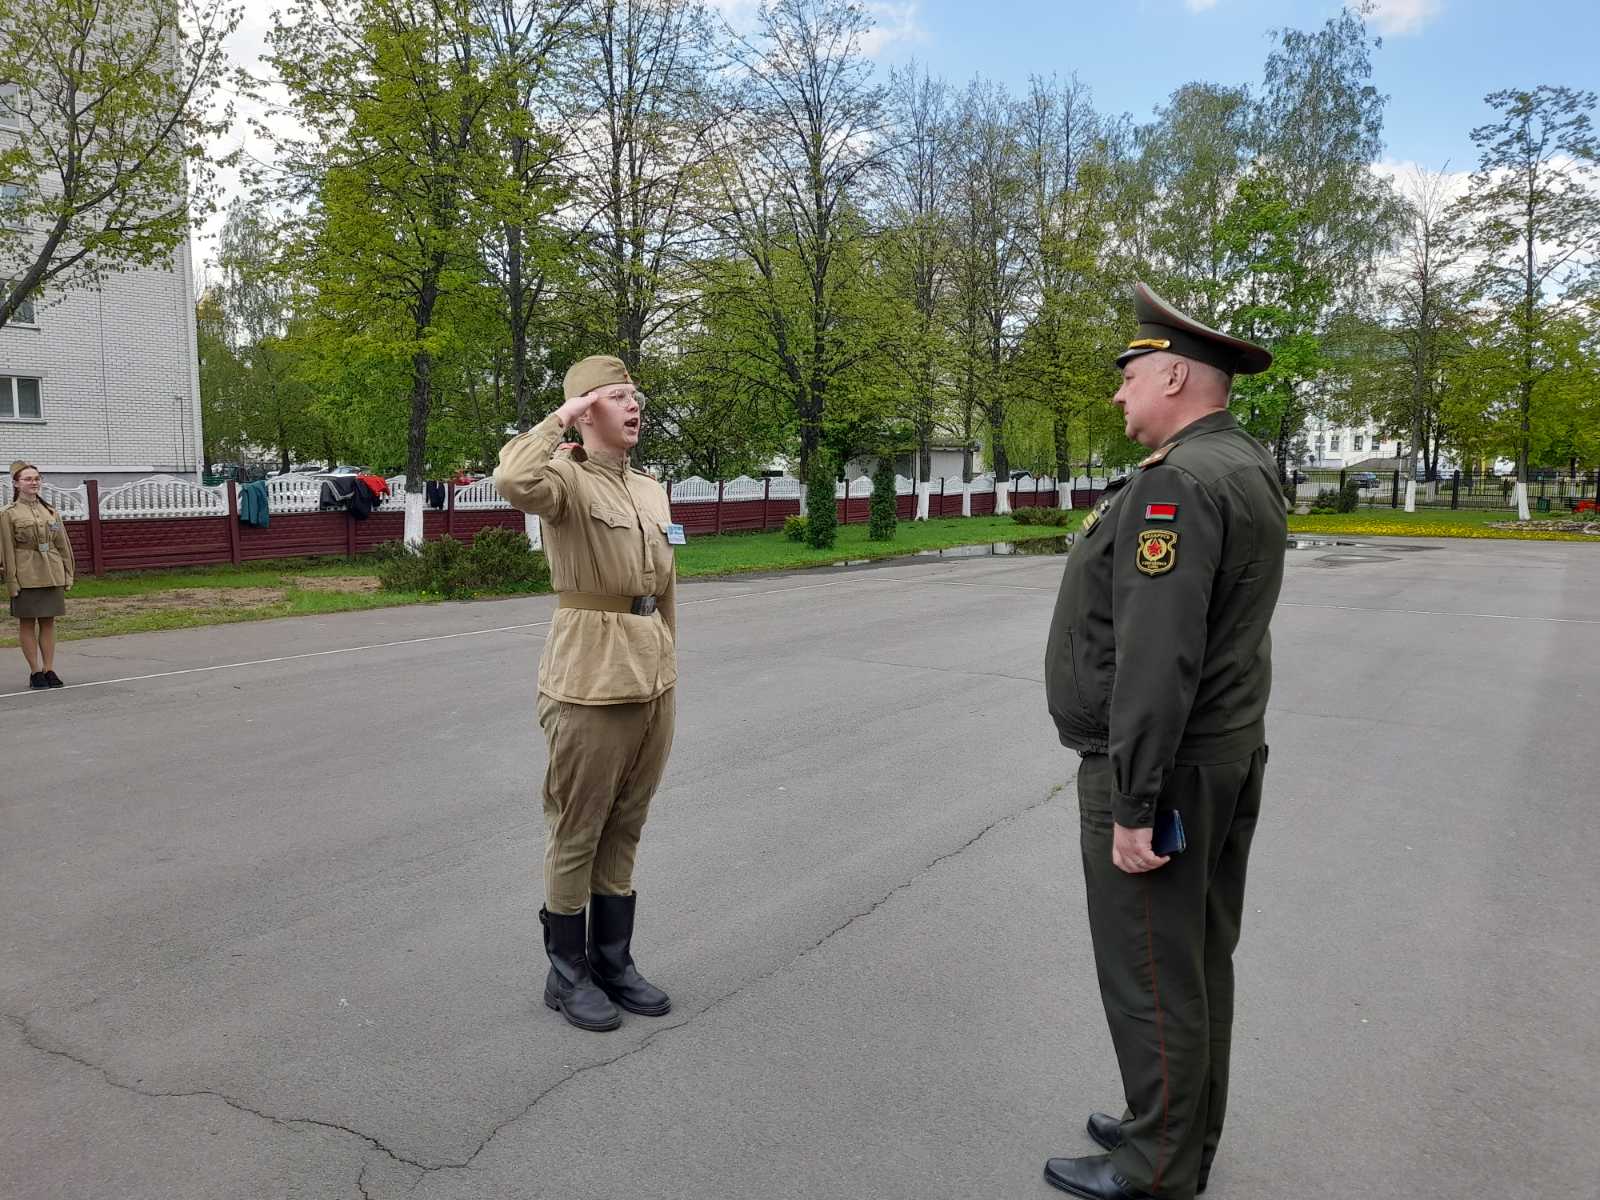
x,y
605,681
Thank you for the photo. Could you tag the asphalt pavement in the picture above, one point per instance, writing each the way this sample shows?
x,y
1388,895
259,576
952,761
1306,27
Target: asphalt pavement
x,y
269,897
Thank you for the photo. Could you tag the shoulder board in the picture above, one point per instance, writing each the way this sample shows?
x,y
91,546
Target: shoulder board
x,y
1158,456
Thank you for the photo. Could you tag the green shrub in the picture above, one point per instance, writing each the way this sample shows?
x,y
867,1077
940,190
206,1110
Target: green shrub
x,y
794,528
497,560
822,516
881,520
1041,516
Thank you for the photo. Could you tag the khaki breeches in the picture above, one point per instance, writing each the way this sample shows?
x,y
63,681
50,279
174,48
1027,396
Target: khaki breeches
x,y
605,763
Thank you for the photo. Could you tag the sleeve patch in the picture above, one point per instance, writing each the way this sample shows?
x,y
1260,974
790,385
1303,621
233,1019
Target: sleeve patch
x,y
1160,512
1158,551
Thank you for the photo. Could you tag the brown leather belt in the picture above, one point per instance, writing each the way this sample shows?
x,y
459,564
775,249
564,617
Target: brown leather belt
x,y
639,606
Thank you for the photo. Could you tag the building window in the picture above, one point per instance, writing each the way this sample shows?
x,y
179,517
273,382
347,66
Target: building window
x,y
1333,444
9,117
19,399
24,314
1360,442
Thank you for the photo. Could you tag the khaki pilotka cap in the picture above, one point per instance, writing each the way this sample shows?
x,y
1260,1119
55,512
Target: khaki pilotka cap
x,y
598,370
1162,327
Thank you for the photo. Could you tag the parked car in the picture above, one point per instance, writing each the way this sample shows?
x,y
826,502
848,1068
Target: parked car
x,y
1362,479
346,469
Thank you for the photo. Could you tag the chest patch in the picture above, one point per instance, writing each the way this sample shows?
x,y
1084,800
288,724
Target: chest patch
x,y
1158,551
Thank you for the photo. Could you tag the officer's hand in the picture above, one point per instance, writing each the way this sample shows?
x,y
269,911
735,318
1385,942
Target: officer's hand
x,y
571,410
1130,851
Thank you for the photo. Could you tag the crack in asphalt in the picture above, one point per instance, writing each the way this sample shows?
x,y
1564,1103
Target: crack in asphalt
x,y
734,994
430,1168
208,1093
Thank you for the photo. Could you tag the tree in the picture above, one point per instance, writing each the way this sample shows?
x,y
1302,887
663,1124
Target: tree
x,y
525,249
641,139
1310,218
800,142
881,517
914,250
222,385
822,516
1534,214
392,96
112,104
988,277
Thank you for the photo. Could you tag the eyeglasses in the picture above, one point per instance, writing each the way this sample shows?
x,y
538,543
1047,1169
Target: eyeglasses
x,y
621,401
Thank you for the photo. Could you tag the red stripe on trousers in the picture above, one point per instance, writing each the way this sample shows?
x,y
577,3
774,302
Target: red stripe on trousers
x,y
1161,1037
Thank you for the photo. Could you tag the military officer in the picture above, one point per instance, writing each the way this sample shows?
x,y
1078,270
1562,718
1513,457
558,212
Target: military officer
x,y
606,681
1157,672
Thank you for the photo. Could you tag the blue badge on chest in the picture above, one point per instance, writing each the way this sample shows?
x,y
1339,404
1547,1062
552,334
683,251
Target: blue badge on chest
x,y
674,533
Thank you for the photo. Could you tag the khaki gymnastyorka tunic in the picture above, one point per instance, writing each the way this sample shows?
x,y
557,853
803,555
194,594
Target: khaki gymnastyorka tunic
x,y
605,532
606,678
35,558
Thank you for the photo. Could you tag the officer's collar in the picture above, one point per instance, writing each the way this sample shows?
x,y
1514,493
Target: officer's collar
x,y
600,458
1212,422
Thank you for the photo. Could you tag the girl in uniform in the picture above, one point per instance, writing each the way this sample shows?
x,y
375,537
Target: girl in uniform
x,y
37,558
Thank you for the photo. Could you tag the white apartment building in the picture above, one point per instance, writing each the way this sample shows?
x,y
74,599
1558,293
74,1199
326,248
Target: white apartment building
x,y
104,383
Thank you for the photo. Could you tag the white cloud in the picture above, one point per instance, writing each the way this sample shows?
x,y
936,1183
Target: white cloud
x,y
1400,17
891,22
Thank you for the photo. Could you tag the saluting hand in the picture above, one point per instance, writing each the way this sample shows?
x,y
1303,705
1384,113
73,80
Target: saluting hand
x,y
571,410
1131,852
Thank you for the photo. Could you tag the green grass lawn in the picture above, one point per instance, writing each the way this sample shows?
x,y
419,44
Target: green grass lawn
x,y
1436,522
737,552
181,597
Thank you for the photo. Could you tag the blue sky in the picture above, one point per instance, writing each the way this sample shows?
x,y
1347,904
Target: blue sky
x,y
1439,57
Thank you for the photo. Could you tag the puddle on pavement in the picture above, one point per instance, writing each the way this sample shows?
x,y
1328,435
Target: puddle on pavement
x,y
1050,545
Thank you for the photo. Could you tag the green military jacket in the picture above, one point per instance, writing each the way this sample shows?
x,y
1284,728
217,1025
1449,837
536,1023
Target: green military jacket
x,y
1159,649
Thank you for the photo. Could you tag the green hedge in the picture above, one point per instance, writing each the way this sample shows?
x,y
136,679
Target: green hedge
x,y
496,561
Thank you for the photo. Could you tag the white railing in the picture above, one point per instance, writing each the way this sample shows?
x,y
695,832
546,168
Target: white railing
x,y
480,495
163,496
784,487
904,486
395,501
693,490
743,488
294,493
71,503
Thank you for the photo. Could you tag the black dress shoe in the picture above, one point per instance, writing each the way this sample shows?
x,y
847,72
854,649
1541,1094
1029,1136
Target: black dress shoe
x,y
1092,1178
1105,1131
51,679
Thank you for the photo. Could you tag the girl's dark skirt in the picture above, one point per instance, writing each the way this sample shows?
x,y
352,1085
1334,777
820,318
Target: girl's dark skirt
x,y
39,602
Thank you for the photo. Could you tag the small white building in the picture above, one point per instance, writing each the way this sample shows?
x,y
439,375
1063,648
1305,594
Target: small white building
x,y
1330,446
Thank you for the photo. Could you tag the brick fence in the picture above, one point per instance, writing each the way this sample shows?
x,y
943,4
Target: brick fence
x,y
103,544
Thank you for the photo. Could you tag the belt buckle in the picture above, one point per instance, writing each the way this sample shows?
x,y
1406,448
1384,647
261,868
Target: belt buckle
x,y
643,606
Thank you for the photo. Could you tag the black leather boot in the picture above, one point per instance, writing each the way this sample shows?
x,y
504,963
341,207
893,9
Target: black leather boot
x,y
570,988
611,958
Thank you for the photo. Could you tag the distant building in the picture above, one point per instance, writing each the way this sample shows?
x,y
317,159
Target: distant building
x,y
104,382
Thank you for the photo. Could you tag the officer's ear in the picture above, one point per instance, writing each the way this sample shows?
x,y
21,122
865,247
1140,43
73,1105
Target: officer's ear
x,y
1177,376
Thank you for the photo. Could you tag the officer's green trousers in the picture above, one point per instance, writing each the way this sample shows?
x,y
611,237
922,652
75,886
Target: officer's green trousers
x,y
605,763
1163,949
